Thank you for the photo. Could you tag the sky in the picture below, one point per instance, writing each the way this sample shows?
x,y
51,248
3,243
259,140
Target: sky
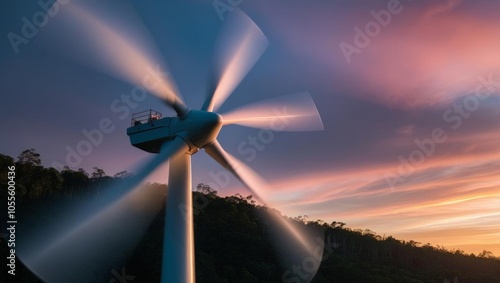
x,y
408,93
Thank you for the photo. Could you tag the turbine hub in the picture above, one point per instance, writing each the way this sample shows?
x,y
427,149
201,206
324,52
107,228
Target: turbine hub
x,y
202,128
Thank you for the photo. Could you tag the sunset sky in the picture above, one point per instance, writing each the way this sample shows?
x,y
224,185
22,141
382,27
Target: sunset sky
x,y
408,92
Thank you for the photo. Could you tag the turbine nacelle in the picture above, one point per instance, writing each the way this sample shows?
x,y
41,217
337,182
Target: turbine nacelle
x,y
197,128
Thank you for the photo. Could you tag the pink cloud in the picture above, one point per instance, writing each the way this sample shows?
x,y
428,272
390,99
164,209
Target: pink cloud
x,y
428,63
406,130
428,55
441,8
454,193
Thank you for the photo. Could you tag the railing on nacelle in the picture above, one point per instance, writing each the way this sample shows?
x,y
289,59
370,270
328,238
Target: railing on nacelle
x,y
147,116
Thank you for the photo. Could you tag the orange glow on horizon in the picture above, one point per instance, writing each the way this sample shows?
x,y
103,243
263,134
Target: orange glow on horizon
x,y
457,196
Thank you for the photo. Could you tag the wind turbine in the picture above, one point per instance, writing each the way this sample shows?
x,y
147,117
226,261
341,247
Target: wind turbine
x,y
185,135
178,138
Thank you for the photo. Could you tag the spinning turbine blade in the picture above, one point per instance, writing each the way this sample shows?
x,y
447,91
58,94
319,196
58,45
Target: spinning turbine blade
x,y
245,43
296,112
87,247
246,175
113,50
178,244
294,243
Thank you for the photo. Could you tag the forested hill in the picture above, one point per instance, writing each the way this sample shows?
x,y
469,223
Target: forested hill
x,y
232,241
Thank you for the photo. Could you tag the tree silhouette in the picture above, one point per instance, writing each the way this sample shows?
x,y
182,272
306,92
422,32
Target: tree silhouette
x,y
123,175
29,157
98,173
234,243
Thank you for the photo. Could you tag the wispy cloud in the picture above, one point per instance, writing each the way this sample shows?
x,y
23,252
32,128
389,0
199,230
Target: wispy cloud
x,y
406,130
432,63
429,55
441,8
448,194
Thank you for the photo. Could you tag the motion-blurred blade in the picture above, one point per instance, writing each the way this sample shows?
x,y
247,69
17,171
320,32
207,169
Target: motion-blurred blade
x,y
87,246
97,39
295,243
296,112
300,247
178,244
246,175
243,44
